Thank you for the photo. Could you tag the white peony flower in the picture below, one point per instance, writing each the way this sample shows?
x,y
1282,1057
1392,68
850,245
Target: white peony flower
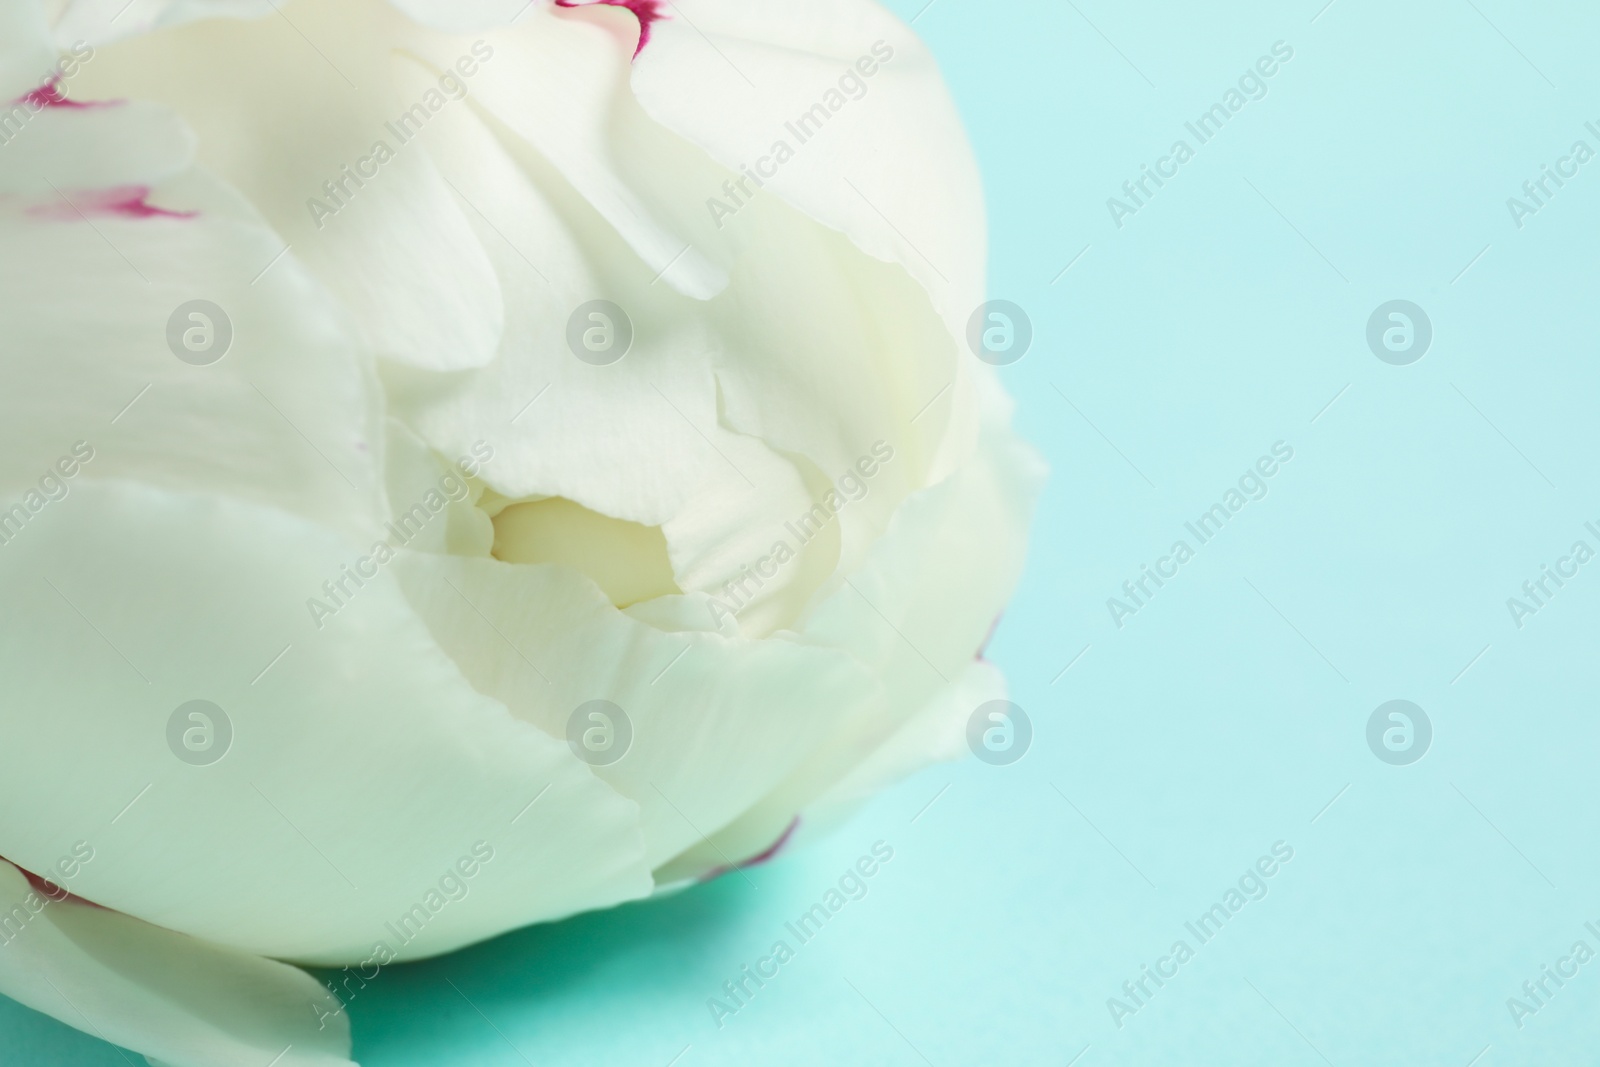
x,y
463,464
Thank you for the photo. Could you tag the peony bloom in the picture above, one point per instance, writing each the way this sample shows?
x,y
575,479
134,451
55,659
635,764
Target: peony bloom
x,y
464,463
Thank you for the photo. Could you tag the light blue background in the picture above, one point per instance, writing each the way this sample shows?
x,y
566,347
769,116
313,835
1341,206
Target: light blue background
x,y
1225,716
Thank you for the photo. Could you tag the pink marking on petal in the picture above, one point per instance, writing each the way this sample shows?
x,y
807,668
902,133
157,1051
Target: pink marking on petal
x,y
53,890
648,12
124,201
48,889
770,852
50,95
984,648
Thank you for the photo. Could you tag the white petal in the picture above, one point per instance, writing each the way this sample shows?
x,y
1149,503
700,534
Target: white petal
x,y
174,998
749,539
397,248
558,80
362,768
889,167
625,439
805,310
643,439
838,358
732,77
463,16
104,21
405,259
418,477
26,51
715,721
935,733
104,273
915,614
101,145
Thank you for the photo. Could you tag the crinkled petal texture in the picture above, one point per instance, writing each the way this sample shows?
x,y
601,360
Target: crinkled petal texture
x,y
309,413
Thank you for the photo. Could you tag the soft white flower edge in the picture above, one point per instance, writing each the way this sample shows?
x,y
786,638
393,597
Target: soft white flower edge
x,y
174,998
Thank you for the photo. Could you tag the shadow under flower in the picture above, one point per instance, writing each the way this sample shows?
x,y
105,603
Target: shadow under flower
x,y
565,991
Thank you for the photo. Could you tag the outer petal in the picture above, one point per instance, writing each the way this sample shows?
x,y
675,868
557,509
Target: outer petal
x,y
463,16
105,21
734,77
715,721
781,92
103,145
176,999
362,768
398,250
559,81
94,269
26,52
889,167
832,356
918,636
417,476
825,317
935,733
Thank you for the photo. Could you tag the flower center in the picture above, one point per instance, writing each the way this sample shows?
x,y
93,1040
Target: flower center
x,y
627,560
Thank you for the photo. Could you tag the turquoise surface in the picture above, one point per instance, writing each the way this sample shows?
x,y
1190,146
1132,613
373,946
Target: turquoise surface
x,y
1229,712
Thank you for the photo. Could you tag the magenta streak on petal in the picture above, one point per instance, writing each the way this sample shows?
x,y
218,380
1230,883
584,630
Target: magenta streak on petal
x,y
759,858
49,95
125,201
983,648
50,890
646,11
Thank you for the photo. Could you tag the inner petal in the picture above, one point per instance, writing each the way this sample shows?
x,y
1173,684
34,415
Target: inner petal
x,y
627,560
